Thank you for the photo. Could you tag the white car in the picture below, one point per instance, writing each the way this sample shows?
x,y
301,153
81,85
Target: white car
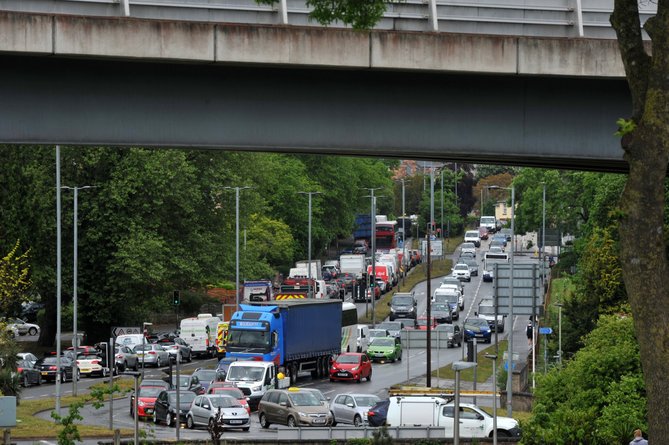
x,y
92,364
468,248
461,272
23,327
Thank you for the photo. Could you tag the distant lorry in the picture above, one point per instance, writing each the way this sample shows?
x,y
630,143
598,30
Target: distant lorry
x,y
383,272
299,285
355,264
487,312
437,411
254,378
489,222
199,332
257,290
316,268
298,335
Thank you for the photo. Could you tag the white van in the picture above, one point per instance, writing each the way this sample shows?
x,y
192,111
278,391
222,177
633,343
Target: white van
x,y
130,340
472,236
200,334
255,378
363,338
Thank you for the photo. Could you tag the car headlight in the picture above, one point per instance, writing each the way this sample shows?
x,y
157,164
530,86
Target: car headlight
x,y
411,309
256,388
355,369
302,414
392,309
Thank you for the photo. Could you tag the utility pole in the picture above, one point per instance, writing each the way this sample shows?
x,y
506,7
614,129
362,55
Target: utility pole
x,y
310,293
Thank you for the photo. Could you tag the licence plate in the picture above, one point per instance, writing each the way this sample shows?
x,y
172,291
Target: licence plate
x,y
236,422
319,420
379,355
45,373
478,335
85,370
342,374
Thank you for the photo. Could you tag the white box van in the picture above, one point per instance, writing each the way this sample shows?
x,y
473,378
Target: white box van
x,y
435,411
472,236
255,378
200,334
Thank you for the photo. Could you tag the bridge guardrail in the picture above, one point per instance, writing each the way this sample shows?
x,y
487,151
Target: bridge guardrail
x,y
352,432
554,18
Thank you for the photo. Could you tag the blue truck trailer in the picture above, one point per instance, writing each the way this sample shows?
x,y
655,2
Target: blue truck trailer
x,y
298,335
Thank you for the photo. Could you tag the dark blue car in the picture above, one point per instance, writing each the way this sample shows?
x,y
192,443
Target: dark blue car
x,y
377,414
477,328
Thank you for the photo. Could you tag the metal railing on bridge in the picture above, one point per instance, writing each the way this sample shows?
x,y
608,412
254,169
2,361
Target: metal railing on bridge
x,y
538,18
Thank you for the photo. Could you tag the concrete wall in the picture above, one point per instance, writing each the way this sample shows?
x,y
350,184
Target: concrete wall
x,y
193,42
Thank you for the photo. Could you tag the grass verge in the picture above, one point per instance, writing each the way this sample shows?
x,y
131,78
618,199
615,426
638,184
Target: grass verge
x,y
30,426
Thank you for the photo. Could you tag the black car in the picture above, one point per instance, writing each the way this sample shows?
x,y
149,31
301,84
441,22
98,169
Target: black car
x,y
28,375
377,414
48,368
165,409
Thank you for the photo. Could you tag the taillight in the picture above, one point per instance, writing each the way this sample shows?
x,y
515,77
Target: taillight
x,y
77,362
19,369
119,356
52,368
207,342
371,414
152,352
95,362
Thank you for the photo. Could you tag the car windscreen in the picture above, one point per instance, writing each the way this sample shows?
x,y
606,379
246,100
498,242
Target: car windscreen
x,y
390,326
184,397
225,402
402,301
366,400
441,307
348,359
304,399
150,391
382,341
245,373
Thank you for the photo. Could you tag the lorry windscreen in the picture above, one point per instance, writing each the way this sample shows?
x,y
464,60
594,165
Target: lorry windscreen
x,y
248,341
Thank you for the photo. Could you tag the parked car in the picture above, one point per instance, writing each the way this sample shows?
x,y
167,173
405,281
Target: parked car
x,y
125,358
478,328
385,349
292,407
28,375
24,327
165,408
48,367
206,409
352,408
92,364
351,366
146,399
453,332
376,416
151,354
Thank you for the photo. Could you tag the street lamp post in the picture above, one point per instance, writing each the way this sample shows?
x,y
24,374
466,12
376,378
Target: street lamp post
x,y
237,190
373,240
75,338
404,234
493,357
509,380
310,291
457,367
58,278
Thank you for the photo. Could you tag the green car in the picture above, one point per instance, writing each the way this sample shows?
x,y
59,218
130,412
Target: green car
x,y
383,349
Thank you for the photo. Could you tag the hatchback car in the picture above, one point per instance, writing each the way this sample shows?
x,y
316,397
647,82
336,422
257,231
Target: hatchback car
x,y
24,327
453,333
378,333
351,366
443,312
226,410
188,383
92,365
377,414
146,399
48,367
228,389
28,375
152,355
468,248
477,328
352,408
473,267
293,407
125,358
165,408
177,348
385,349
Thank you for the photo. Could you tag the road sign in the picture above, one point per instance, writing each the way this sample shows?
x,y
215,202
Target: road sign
x,y
116,331
436,247
545,331
528,292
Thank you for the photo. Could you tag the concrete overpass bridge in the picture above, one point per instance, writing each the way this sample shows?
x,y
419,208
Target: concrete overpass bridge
x,y
477,81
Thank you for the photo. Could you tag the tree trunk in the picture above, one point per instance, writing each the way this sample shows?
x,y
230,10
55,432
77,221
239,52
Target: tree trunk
x,y
642,246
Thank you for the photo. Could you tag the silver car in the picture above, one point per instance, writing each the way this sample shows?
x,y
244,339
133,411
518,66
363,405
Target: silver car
x,y
177,347
125,358
23,327
151,354
352,408
205,410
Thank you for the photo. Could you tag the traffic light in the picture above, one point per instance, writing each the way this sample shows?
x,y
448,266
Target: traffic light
x,y
176,298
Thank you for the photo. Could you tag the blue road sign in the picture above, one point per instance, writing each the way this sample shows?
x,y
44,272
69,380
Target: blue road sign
x,y
545,331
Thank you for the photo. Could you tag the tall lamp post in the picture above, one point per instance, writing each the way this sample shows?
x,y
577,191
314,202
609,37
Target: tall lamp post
x,y
509,380
310,291
404,233
373,239
457,367
493,357
75,339
58,276
237,190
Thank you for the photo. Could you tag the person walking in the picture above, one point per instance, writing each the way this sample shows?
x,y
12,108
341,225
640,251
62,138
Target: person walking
x,y
528,332
638,438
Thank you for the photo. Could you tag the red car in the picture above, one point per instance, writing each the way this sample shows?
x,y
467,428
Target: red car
x,y
229,390
351,366
422,323
146,401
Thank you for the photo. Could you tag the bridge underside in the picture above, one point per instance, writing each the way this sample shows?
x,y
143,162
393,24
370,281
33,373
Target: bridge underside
x,y
541,121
